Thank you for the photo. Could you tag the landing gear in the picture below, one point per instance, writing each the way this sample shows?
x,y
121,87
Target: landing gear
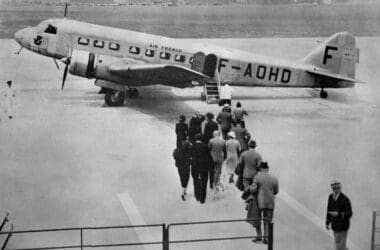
x,y
102,90
323,94
133,93
114,98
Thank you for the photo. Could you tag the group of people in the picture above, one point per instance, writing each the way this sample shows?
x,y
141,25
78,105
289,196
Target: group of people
x,y
209,148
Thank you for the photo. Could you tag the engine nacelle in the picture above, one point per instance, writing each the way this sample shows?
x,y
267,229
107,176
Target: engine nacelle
x,y
90,65
82,64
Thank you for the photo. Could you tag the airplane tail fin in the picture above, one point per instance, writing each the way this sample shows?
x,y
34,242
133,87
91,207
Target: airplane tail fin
x,y
337,55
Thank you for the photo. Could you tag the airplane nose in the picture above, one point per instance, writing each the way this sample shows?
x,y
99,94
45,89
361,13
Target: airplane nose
x,y
21,36
18,36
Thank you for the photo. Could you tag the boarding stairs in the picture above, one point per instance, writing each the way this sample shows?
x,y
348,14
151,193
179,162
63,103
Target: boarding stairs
x,y
211,92
375,242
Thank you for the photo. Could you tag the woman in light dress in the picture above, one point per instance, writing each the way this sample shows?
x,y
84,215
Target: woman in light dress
x,y
233,149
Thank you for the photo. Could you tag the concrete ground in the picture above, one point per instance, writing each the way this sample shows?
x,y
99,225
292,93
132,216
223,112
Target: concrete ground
x,y
68,161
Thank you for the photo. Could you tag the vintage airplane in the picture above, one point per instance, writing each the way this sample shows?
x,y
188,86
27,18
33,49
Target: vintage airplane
x,y
120,60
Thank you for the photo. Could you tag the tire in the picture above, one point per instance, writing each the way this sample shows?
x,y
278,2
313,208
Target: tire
x,y
114,98
323,94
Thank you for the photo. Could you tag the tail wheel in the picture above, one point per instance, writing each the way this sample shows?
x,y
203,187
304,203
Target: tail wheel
x,y
323,94
114,98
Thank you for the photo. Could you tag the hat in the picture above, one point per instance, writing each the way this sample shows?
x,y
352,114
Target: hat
x,y
252,144
231,134
181,118
335,183
264,165
210,115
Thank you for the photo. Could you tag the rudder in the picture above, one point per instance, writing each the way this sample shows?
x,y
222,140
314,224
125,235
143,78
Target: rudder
x,y
338,54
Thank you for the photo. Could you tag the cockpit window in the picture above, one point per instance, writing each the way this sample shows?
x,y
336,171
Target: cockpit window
x,y
51,29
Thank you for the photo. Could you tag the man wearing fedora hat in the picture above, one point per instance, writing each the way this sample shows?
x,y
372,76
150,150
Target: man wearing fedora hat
x,y
267,188
182,130
339,212
9,94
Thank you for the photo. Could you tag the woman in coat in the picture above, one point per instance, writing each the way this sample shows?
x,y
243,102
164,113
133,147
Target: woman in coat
x,y
233,149
253,211
182,157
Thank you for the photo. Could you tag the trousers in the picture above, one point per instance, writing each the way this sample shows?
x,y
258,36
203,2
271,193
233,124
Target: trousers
x,y
340,240
200,179
266,213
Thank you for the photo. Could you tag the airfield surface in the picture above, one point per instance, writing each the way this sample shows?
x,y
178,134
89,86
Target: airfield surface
x,y
68,161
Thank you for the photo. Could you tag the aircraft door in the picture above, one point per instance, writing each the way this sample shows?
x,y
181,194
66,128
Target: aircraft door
x,y
198,61
210,65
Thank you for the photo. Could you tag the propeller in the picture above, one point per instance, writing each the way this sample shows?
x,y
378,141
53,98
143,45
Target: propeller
x,y
56,64
66,61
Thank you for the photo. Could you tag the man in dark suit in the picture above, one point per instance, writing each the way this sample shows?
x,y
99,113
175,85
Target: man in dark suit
x,y
339,212
210,127
208,133
200,166
195,126
182,130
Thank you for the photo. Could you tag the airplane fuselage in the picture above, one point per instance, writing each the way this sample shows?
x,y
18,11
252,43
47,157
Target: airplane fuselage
x,y
236,67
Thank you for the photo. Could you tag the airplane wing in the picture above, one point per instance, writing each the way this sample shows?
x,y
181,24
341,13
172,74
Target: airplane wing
x,y
320,72
166,74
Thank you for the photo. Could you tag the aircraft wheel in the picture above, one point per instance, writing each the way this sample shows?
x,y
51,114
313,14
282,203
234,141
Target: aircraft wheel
x,y
133,93
323,94
114,98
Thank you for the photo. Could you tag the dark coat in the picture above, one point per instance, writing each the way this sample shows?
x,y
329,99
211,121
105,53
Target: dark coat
x,y
182,131
343,206
224,118
210,127
195,127
182,157
201,157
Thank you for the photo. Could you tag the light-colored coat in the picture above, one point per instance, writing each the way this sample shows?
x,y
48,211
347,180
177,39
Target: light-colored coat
x,y
250,160
267,186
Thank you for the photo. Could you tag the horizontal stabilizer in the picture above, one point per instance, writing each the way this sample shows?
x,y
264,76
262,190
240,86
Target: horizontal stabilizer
x,y
333,75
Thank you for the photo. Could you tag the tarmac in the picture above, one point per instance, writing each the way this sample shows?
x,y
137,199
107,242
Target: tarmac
x,y
69,161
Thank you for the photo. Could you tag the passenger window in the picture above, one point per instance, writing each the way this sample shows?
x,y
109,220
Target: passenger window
x,y
180,58
149,53
114,46
83,41
134,50
98,44
165,55
51,29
